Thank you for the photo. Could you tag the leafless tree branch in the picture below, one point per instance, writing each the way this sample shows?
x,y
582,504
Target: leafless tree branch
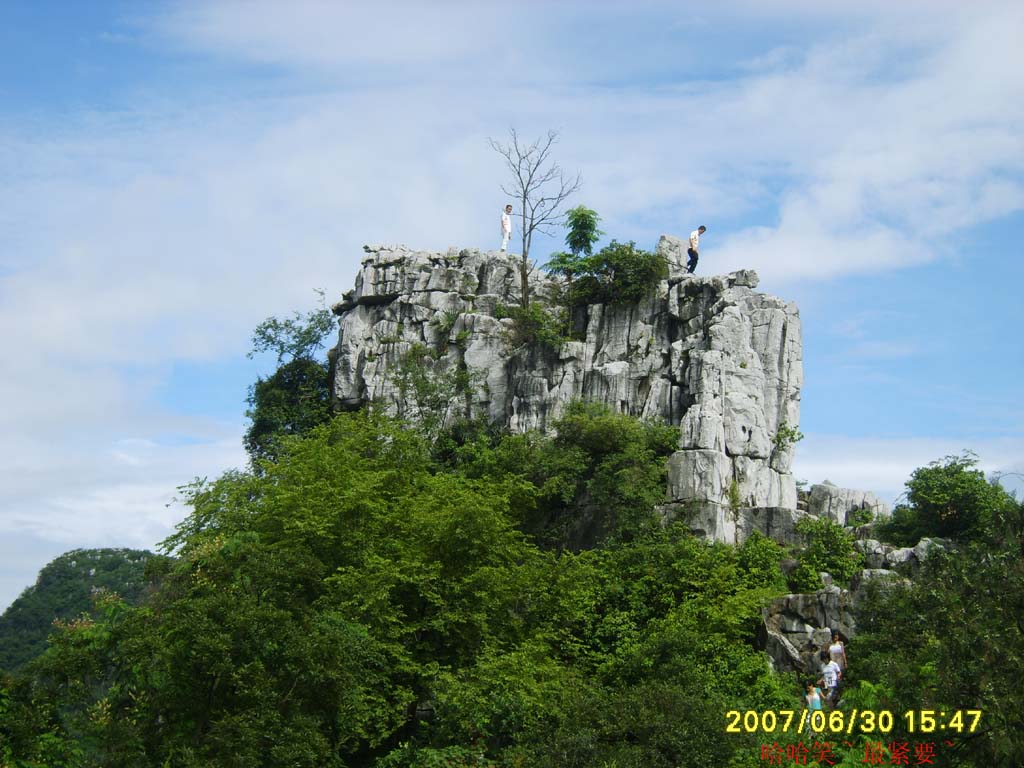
x,y
540,187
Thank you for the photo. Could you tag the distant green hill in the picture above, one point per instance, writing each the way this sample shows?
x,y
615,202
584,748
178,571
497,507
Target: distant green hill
x,y
63,590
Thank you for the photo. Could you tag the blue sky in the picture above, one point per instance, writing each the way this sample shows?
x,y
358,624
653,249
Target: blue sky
x,y
172,173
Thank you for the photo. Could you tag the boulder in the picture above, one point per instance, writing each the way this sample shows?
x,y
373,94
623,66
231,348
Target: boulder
x,y
829,500
796,627
885,556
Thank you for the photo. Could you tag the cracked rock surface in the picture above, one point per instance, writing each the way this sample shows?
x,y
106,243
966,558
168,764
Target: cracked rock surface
x,y
708,354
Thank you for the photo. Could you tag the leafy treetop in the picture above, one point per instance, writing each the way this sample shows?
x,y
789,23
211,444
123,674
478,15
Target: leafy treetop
x,y
298,337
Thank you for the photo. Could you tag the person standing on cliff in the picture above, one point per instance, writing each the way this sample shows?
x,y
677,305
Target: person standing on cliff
x,y
506,227
691,264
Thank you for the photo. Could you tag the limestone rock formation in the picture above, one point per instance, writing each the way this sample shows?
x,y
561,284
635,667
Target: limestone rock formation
x,y
829,500
879,555
709,354
797,627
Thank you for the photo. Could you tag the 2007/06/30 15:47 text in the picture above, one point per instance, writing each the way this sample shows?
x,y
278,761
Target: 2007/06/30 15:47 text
x,y
863,721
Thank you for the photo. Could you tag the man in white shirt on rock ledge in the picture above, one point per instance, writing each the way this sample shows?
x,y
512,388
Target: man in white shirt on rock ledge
x,y
506,226
691,264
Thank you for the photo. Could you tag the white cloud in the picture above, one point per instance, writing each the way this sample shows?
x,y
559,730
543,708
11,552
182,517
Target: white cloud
x,y
166,232
320,33
98,490
883,465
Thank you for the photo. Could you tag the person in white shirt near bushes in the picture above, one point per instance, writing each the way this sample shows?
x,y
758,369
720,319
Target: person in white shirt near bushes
x,y
830,677
506,227
691,264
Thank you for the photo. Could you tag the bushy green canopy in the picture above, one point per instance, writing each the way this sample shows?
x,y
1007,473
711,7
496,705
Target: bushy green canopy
x,y
362,602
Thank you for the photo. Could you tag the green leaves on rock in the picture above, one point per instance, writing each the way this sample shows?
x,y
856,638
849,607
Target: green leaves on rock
x,y
829,548
619,273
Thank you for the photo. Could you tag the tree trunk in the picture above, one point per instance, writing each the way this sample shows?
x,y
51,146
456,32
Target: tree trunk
x,y
524,284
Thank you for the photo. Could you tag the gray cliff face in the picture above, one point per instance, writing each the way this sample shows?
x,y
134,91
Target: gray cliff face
x,y
797,627
828,500
709,354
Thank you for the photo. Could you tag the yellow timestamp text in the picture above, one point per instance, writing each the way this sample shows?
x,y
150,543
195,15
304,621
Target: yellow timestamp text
x,y
856,720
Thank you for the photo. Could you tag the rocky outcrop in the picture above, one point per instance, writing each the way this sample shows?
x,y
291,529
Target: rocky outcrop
x,y
879,555
797,627
709,354
829,500
716,522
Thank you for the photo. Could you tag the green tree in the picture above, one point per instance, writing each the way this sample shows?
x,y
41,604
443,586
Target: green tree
x,y
583,232
294,338
828,547
581,237
644,646
618,273
953,638
291,401
599,478
63,591
948,498
759,560
297,396
30,730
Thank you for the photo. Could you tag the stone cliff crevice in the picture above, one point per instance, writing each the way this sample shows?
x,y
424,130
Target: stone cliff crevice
x,y
710,355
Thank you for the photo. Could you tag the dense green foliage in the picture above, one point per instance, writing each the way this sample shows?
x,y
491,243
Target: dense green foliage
x,y
619,273
535,325
362,602
597,479
953,638
829,547
291,401
948,498
63,591
297,396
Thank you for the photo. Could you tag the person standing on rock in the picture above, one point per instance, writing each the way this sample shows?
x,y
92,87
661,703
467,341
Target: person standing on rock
x,y
506,227
691,263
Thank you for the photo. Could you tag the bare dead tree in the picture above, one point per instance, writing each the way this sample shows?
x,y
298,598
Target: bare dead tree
x,y
540,187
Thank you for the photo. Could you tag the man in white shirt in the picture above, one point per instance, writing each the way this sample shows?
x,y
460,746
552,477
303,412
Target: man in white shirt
x,y
691,263
830,676
506,226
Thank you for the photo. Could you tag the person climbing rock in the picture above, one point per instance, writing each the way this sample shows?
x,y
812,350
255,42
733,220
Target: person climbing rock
x,y
691,263
506,226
